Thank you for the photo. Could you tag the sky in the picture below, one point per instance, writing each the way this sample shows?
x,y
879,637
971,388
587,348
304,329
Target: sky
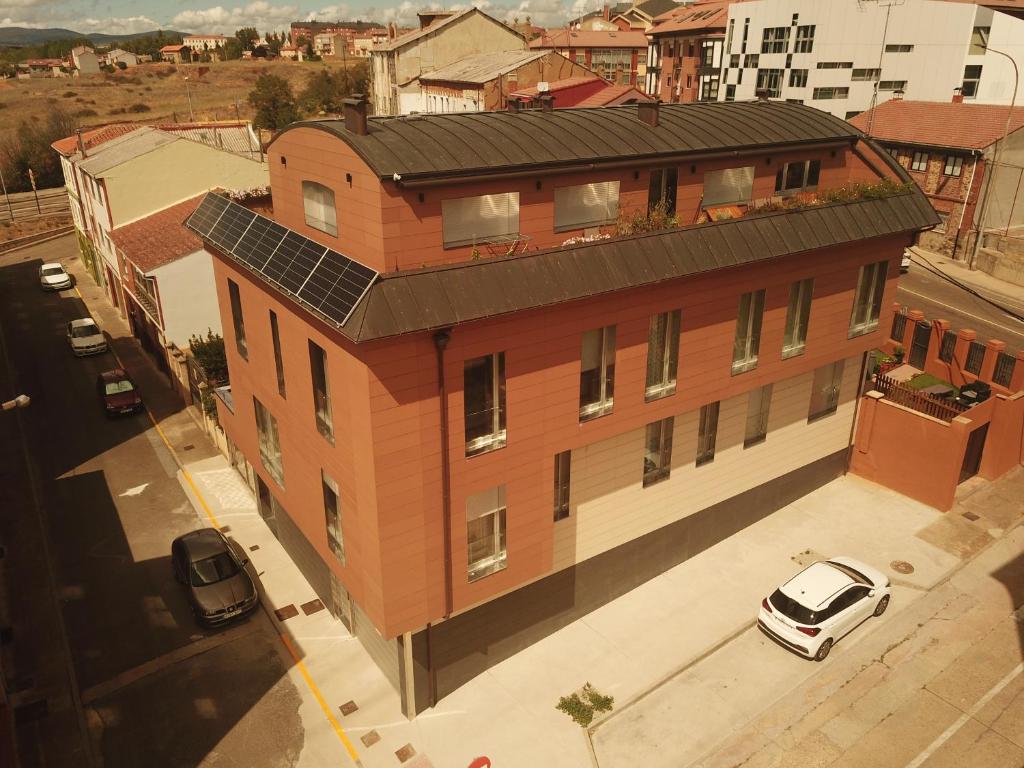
x,y
198,16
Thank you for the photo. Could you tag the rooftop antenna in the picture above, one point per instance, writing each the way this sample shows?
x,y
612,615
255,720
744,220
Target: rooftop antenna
x,y
888,5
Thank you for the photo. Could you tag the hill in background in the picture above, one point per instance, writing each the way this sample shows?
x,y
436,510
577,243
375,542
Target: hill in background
x,y
28,36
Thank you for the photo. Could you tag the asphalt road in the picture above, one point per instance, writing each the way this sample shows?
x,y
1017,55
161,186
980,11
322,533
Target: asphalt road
x,y
940,299
103,636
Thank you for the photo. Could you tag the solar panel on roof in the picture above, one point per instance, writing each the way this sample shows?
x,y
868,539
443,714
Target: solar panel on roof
x,y
205,216
325,280
231,226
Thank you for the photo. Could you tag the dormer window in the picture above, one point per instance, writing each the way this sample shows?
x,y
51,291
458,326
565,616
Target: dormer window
x,y
318,205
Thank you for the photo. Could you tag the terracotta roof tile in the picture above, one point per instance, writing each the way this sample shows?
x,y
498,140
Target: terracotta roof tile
x,y
609,94
590,38
692,18
93,137
160,238
939,124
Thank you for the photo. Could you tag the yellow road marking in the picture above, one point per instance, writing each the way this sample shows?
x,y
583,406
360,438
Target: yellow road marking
x,y
313,687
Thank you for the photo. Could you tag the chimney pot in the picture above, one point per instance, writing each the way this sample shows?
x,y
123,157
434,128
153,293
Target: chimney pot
x,y
647,112
607,13
355,114
958,96
547,102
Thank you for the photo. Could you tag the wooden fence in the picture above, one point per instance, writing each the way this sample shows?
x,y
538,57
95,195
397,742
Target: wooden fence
x,y
902,394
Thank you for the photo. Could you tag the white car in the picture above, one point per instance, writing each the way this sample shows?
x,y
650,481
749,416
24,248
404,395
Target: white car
x,y
53,277
906,260
85,337
813,610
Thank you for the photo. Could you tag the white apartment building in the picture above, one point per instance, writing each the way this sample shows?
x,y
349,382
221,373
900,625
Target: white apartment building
x,y
832,55
202,43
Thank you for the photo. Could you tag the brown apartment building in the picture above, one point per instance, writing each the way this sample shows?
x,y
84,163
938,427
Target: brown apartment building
x,y
472,418
684,58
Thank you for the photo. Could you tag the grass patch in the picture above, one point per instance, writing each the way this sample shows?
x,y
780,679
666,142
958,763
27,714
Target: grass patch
x,y
925,380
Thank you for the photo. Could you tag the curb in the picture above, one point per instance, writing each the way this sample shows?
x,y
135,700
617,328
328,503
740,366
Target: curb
x,y
10,246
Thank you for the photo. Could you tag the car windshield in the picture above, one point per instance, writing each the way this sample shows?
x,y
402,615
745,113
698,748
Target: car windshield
x,y
117,387
213,569
53,271
801,614
81,331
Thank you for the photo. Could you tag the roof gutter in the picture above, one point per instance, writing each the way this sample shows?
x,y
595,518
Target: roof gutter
x,y
660,160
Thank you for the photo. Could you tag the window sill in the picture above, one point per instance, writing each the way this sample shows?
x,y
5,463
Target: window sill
x,y
743,366
656,476
595,410
861,330
705,460
793,351
485,444
659,391
485,568
822,415
582,225
326,432
750,443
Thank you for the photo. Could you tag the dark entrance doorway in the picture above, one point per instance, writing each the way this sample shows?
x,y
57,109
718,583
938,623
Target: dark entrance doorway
x,y
972,456
267,505
919,344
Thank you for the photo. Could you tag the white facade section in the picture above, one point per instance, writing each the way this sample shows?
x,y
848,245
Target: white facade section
x,y
610,506
188,298
928,45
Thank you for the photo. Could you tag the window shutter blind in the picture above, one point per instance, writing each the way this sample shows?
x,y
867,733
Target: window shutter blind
x,y
732,185
586,205
469,220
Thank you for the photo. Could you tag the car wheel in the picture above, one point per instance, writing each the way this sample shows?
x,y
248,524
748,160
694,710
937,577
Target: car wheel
x,y
823,650
882,605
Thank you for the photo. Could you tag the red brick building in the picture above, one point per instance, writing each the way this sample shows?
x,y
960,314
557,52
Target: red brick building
x,y
949,149
472,419
615,55
684,59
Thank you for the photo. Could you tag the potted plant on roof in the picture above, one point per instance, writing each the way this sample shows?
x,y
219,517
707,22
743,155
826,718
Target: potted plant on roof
x,y
897,354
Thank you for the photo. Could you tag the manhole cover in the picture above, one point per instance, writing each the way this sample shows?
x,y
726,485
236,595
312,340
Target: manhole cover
x,y
901,566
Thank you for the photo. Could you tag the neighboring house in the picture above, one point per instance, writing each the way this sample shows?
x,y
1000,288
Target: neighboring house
x,y
469,451
292,53
948,150
41,68
482,82
117,56
363,42
330,44
178,54
168,284
121,174
684,58
642,15
591,91
84,60
616,55
199,44
444,37
833,56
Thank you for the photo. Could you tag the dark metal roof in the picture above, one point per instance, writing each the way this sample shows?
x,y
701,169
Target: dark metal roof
x,y
406,302
476,143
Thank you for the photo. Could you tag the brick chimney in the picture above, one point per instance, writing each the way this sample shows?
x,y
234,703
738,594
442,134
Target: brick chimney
x,y
392,30
355,114
647,112
547,102
606,12
958,96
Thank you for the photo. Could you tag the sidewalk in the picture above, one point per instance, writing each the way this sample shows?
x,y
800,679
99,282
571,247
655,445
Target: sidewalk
x,y
991,287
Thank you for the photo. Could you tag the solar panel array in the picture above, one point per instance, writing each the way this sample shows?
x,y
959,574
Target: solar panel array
x,y
321,278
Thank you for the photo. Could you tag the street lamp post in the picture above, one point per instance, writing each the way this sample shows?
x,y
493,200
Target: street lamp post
x,y
983,214
188,93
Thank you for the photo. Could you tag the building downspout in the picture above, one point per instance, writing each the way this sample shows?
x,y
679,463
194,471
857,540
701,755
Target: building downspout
x,y
967,201
856,411
441,339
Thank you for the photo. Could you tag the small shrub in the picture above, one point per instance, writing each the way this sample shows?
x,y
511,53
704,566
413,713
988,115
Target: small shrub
x,y
118,111
121,65
639,221
139,107
86,113
583,708
148,88
68,94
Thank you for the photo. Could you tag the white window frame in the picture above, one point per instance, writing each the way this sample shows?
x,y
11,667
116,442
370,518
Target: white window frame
x,y
804,39
487,504
269,439
707,433
798,313
825,390
774,39
798,78
322,411
770,80
830,92
919,162
319,207
867,302
605,339
747,341
892,85
658,451
335,537
586,205
759,403
237,319
479,219
497,436
953,165
805,176
975,82
662,355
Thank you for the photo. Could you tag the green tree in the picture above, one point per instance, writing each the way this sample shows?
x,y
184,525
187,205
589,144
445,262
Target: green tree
x,y
322,93
274,44
209,353
274,103
247,37
232,49
29,147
